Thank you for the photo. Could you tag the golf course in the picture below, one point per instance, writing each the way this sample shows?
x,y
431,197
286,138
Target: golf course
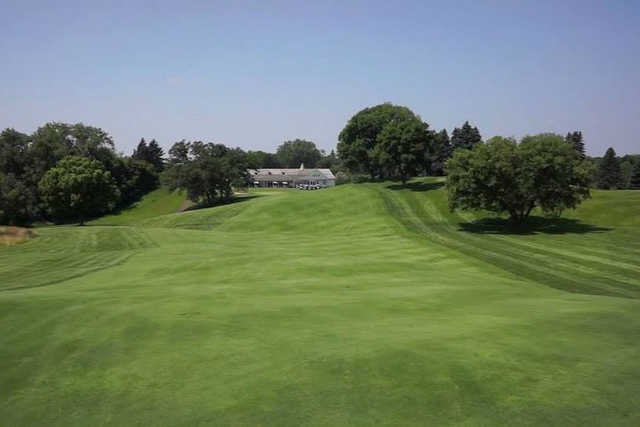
x,y
360,304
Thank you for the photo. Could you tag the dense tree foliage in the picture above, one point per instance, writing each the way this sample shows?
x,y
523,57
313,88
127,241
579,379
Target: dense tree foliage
x,y
151,153
134,179
610,173
77,188
440,153
465,137
628,163
207,171
260,159
291,154
18,201
329,161
574,139
634,182
13,152
25,159
401,148
358,139
386,141
505,177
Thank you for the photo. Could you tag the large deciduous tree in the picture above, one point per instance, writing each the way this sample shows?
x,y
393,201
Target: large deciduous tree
x,y
18,200
610,173
14,153
359,137
465,137
54,141
261,159
401,148
207,171
78,188
291,154
502,176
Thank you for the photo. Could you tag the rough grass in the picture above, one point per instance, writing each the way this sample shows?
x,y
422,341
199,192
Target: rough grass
x,y
358,305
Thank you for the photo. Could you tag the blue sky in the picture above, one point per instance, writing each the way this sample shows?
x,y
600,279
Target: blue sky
x,y
253,74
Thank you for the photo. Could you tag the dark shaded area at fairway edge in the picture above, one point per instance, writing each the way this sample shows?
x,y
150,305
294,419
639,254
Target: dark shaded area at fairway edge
x,y
534,224
483,239
233,200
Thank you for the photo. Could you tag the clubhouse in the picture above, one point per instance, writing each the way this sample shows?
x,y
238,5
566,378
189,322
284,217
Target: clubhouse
x,y
291,178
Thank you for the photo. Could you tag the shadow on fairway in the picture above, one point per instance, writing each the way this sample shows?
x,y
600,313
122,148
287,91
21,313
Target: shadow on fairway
x,y
417,186
232,201
533,225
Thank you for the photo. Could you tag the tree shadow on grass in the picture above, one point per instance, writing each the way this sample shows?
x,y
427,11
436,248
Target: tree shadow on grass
x,y
417,186
533,225
236,199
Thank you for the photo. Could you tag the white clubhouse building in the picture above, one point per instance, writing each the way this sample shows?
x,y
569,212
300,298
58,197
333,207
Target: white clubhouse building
x,y
280,178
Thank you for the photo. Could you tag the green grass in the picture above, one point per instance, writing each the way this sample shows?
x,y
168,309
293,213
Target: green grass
x,y
157,202
364,304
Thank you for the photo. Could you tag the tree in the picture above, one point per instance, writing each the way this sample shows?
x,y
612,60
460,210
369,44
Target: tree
x,y
401,148
14,148
328,161
465,137
134,178
610,174
291,154
261,159
50,143
574,139
78,188
504,177
360,135
635,177
626,168
18,200
208,172
151,153
439,154
54,141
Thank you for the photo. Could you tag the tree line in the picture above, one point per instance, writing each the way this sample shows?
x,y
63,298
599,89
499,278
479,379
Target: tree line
x,y
71,172
66,172
545,171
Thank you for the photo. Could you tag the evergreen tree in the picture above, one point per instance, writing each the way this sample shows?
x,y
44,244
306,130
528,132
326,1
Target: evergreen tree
x,y
140,152
465,137
635,177
610,174
155,155
575,140
151,153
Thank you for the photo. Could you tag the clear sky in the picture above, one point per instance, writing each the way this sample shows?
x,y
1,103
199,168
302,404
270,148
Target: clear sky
x,y
253,74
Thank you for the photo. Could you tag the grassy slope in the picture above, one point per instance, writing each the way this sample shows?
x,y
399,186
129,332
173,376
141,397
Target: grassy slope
x,y
158,202
355,305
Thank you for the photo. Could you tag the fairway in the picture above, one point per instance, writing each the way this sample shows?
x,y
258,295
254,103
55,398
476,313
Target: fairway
x,y
362,304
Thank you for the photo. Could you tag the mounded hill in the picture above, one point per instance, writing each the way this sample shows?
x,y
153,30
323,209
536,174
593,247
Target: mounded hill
x,y
157,202
361,304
